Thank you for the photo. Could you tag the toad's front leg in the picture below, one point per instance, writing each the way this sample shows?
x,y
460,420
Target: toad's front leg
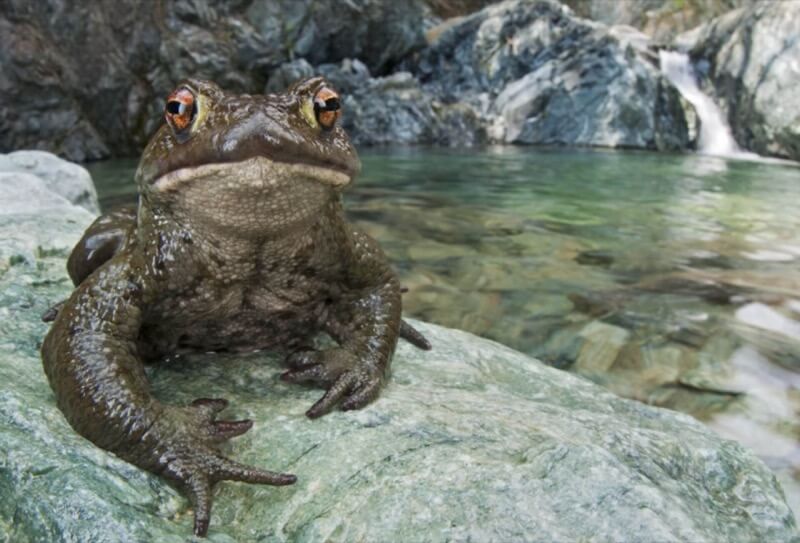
x,y
91,360
366,323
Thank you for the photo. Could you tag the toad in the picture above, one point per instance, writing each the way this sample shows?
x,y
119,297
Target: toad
x,y
239,242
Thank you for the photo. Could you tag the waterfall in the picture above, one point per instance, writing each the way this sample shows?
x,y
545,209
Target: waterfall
x,y
715,135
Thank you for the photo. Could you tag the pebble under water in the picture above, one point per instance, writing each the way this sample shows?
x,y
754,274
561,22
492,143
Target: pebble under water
x,y
673,279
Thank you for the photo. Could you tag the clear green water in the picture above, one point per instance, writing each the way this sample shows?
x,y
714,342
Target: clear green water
x,y
671,279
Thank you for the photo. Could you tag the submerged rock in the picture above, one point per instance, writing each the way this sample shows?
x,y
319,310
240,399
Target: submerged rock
x,y
471,441
748,61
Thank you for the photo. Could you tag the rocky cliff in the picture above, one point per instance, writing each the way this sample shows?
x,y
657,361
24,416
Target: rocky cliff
x,y
87,81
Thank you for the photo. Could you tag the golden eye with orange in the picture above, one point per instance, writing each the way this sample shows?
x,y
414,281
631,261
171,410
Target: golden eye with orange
x,y
327,107
180,111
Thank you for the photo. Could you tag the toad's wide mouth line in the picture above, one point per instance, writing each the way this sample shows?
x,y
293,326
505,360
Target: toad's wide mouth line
x,y
260,170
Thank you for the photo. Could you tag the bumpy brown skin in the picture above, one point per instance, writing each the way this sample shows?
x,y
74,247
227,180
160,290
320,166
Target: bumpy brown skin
x,y
239,243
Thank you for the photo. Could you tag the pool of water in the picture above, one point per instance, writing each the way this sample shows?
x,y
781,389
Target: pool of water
x,y
673,279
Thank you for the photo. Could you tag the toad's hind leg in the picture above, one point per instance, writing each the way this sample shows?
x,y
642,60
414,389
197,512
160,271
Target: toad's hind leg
x,y
104,238
94,367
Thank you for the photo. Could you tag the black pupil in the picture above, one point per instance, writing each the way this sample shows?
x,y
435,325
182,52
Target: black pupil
x,y
331,104
174,107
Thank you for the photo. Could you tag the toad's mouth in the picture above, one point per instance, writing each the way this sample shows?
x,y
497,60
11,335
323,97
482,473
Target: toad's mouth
x,y
257,172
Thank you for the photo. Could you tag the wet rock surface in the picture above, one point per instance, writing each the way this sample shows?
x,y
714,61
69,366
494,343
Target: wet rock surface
x,y
747,60
469,441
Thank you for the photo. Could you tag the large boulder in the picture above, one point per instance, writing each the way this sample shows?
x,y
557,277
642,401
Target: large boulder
x,y
57,175
538,74
471,441
102,93
748,61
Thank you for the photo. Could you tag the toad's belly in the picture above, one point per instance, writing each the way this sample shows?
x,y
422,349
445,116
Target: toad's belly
x,y
233,323
239,334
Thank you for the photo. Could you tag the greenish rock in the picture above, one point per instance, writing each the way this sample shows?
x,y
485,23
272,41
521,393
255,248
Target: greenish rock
x,y
602,345
469,442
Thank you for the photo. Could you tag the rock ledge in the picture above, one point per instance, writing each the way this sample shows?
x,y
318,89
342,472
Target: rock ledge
x,y
472,441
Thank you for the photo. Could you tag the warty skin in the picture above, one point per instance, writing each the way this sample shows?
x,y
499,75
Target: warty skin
x,y
239,242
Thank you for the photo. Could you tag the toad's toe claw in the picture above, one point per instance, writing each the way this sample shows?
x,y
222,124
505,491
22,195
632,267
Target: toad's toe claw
x,y
191,460
223,430
234,471
362,396
332,397
350,379
199,494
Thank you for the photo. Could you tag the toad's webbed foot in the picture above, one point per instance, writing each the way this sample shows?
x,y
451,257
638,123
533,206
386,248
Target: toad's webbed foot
x,y
188,439
349,380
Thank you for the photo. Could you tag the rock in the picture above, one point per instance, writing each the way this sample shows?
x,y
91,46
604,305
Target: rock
x,y
471,441
595,258
389,110
284,75
523,71
772,332
747,60
764,419
601,346
537,74
661,19
35,221
103,95
64,178
395,109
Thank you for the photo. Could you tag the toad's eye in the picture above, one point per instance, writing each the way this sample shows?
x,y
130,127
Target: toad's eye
x,y
180,111
327,107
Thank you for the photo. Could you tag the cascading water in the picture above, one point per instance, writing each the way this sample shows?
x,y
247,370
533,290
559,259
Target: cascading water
x,y
715,135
